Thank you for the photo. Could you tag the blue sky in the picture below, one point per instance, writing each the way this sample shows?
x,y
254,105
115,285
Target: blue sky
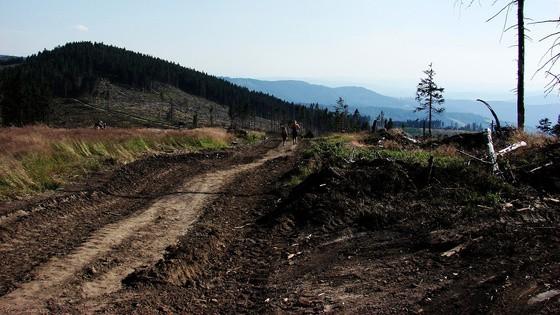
x,y
380,44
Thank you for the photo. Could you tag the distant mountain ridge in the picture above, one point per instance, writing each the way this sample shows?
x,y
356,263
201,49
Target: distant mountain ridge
x,y
6,57
371,103
307,93
6,61
366,101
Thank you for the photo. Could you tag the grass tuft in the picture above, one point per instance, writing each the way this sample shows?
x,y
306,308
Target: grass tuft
x,y
36,159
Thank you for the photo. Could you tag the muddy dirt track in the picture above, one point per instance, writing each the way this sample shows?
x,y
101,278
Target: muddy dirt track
x,y
82,245
221,233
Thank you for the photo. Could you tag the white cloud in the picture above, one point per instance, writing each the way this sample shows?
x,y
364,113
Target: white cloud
x,y
81,28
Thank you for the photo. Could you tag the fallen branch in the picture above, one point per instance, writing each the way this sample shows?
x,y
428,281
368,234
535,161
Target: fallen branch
x,y
410,139
459,248
290,256
541,297
512,147
551,200
474,157
540,167
454,250
498,126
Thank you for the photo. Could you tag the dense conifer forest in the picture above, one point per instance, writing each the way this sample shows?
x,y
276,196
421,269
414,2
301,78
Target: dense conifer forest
x,y
73,70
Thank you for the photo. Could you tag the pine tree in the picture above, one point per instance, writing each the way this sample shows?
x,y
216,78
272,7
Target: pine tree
x,y
556,129
389,124
341,111
545,125
429,96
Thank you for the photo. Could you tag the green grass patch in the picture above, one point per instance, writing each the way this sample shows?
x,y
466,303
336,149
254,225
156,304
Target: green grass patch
x,y
337,149
41,171
254,137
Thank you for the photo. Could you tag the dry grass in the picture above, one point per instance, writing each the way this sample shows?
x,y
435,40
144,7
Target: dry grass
x,y
39,158
447,150
39,139
392,145
534,140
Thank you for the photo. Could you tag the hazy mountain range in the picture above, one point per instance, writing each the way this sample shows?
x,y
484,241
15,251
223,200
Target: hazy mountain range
x,y
371,103
6,57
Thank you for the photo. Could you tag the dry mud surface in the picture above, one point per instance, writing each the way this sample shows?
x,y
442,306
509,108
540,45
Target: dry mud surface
x,y
220,233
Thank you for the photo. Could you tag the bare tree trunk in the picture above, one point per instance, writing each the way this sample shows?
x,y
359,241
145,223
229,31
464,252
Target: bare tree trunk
x,y
520,65
430,117
491,152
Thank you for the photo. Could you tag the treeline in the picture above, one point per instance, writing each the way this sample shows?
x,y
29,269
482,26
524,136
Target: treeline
x,y
438,124
75,69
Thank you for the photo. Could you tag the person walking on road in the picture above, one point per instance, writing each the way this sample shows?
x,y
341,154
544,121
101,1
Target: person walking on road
x,y
284,135
295,130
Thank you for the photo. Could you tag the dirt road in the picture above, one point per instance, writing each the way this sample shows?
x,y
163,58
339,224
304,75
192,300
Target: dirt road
x,y
96,260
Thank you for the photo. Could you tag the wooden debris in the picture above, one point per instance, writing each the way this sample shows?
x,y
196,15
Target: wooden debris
x,y
242,226
543,296
512,147
454,250
541,167
492,153
484,207
551,200
498,126
410,139
459,248
473,157
290,256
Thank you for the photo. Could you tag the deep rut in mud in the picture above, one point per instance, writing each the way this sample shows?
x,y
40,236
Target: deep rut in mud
x,y
135,241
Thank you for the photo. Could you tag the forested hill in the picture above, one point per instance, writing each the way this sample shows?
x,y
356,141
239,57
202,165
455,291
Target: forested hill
x,y
74,70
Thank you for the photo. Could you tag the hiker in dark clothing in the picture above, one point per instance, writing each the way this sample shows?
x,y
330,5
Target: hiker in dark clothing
x,y
284,135
100,124
295,130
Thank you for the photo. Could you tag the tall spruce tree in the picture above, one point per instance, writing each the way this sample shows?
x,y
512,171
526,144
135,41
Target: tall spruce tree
x,y
341,111
429,96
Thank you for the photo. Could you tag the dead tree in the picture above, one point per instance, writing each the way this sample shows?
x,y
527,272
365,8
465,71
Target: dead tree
x,y
551,57
211,112
520,64
520,26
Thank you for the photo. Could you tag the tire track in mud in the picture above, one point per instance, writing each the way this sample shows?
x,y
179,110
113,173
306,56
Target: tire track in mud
x,y
134,242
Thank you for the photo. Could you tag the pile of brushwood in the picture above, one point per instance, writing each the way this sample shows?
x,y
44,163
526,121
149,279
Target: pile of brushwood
x,y
497,238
